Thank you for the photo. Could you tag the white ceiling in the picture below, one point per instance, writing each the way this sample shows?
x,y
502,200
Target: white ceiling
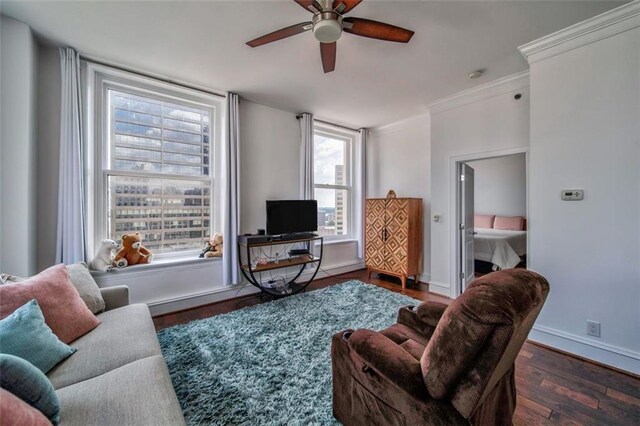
x,y
375,82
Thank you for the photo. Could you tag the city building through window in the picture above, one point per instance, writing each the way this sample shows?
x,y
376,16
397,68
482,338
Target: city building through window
x,y
156,155
332,174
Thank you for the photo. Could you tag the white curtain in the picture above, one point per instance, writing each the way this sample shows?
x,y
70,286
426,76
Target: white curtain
x,y
360,187
71,238
231,192
306,156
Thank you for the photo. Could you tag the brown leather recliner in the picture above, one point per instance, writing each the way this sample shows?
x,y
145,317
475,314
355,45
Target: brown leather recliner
x,y
440,365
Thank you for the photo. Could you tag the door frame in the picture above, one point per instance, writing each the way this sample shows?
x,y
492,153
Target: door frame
x,y
455,206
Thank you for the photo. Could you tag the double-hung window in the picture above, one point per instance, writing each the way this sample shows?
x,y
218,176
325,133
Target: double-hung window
x,y
332,174
156,146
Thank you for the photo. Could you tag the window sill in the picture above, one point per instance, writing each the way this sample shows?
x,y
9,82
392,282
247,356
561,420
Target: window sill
x,y
162,264
339,241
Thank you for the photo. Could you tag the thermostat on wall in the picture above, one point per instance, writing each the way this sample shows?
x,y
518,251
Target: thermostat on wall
x,y
572,194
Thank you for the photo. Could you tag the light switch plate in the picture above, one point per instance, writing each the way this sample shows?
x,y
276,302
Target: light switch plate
x,y
572,194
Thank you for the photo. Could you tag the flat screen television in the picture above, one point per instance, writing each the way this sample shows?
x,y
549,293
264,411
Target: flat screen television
x,y
291,216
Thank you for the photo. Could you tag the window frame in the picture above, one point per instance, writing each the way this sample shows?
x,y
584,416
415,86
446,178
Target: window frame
x,y
99,79
350,140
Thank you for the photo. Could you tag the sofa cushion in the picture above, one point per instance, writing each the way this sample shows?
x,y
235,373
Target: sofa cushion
x,y
28,383
83,282
16,412
25,335
126,334
139,393
63,309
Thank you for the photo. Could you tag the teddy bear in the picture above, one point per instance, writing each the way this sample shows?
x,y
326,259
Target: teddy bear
x,y
213,247
132,252
103,260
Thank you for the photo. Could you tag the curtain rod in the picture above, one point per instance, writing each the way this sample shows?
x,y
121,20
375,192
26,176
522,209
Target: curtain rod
x,y
148,75
331,124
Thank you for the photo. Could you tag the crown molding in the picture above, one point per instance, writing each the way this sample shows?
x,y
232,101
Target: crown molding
x,y
488,90
607,24
393,124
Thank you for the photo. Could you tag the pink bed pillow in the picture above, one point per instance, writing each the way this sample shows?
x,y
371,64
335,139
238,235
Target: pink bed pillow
x,y
507,223
483,220
16,412
64,311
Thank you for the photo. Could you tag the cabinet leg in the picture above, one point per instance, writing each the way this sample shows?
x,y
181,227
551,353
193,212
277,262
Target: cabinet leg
x,y
369,276
404,281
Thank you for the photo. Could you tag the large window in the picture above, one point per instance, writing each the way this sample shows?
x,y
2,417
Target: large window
x,y
156,151
332,174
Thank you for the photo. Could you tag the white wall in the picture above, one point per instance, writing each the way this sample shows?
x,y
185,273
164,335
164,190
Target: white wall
x,y
399,158
270,170
483,120
48,154
585,133
18,85
500,185
270,158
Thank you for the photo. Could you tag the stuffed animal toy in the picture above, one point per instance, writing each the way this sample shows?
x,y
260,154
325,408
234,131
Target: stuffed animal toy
x,y
132,252
213,247
103,260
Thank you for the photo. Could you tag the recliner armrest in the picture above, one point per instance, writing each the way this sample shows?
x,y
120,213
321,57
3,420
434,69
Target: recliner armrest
x,y
385,357
115,297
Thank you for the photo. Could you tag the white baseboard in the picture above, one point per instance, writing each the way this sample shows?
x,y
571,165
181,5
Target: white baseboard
x,y
442,289
340,268
424,278
223,293
195,300
604,353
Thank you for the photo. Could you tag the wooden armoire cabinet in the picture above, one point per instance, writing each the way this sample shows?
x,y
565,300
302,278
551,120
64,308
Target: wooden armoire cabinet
x,y
393,237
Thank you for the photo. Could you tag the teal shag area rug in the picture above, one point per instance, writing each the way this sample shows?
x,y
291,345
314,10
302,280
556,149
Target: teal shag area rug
x,y
270,364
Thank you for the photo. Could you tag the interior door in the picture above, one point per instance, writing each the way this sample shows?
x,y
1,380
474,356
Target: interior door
x,y
466,228
375,253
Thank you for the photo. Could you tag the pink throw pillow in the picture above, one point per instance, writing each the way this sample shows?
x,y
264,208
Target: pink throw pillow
x,y
16,412
507,223
64,311
483,220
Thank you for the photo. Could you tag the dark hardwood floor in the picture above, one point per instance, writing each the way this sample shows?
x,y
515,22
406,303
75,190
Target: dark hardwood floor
x,y
553,388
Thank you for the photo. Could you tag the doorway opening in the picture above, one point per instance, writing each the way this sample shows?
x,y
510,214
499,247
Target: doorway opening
x,y
490,228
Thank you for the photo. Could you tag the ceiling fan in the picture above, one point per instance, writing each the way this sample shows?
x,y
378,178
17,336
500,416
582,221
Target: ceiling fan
x,y
327,25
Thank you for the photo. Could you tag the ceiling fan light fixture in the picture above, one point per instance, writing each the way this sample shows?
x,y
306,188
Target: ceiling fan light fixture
x,y
327,27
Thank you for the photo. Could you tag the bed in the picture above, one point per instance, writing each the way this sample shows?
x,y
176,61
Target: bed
x,y
504,248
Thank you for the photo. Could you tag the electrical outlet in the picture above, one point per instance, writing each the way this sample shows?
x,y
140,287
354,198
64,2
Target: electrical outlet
x,y
593,328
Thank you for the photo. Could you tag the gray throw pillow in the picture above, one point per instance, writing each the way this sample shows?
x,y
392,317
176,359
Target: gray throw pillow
x,y
83,282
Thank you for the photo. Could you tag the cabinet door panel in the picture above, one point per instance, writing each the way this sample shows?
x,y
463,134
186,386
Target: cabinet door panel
x,y
375,253
397,234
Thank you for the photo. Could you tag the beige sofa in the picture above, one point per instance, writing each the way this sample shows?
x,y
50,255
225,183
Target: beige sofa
x,y
118,375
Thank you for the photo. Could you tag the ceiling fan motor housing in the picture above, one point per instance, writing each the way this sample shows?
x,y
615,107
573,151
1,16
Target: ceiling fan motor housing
x,y
327,26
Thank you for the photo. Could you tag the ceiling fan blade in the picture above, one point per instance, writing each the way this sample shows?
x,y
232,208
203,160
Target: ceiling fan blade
x,y
378,30
328,55
348,5
281,33
307,4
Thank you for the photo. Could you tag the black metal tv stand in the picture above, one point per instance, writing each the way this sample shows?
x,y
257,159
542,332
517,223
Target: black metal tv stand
x,y
260,258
